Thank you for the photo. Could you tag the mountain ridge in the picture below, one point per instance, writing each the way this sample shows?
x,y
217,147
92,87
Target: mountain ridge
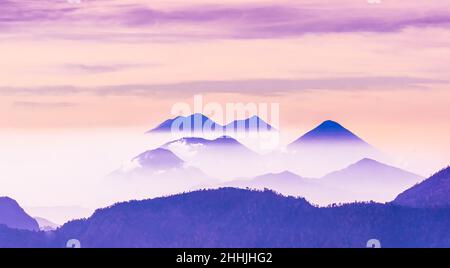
x,y
14,216
200,123
432,192
236,218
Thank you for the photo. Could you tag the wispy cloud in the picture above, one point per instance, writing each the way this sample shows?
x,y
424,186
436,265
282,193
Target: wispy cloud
x,y
35,11
137,21
43,105
105,68
250,87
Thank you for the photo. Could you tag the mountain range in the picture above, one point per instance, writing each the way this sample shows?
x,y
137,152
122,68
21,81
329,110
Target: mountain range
x,y
329,132
152,173
371,180
365,180
327,148
431,193
332,154
236,218
199,123
288,183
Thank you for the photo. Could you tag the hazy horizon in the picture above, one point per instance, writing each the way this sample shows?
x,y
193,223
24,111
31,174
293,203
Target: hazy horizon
x,y
82,82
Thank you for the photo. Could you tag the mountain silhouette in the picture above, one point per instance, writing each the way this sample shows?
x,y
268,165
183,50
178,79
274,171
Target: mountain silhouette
x,y
329,132
327,148
433,192
236,218
198,123
13,216
156,172
192,123
372,180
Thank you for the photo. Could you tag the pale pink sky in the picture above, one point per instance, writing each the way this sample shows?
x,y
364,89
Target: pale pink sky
x,y
379,69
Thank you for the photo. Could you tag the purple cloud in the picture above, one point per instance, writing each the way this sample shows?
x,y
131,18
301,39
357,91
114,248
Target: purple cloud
x,y
215,21
286,21
42,11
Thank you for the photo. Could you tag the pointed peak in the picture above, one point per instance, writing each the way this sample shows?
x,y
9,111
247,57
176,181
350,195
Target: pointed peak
x,y
367,161
190,123
255,117
330,131
192,116
197,115
330,123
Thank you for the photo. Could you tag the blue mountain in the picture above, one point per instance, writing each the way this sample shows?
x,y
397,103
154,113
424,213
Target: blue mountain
x,y
13,216
253,123
192,123
327,148
433,192
329,132
371,180
201,123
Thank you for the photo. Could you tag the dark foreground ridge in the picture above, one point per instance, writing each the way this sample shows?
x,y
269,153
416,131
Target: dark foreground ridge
x,y
231,217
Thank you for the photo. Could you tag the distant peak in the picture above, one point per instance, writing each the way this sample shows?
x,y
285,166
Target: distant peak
x,y
226,140
192,116
330,123
371,163
156,154
255,117
224,137
368,160
196,115
286,173
158,158
330,131
199,122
